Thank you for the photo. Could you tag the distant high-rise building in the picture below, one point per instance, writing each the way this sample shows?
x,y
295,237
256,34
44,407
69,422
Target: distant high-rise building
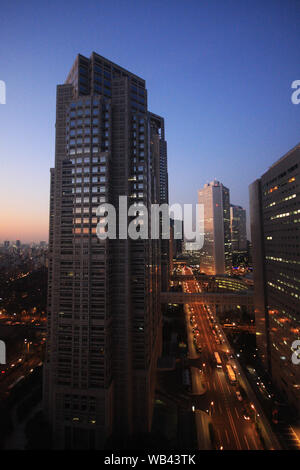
x,y
215,256
275,232
178,237
6,244
18,243
238,231
104,317
160,185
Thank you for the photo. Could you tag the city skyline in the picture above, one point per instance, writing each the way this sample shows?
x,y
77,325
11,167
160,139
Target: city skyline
x,y
223,120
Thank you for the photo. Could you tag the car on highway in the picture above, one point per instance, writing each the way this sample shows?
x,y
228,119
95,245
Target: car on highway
x,y
246,415
238,395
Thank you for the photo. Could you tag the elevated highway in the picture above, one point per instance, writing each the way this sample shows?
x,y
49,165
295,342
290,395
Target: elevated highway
x,y
210,298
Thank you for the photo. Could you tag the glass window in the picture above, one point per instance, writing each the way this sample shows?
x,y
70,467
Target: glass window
x,y
98,69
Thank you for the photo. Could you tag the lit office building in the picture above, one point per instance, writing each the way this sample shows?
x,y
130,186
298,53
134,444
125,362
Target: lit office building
x,y
215,256
275,222
238,229
238,232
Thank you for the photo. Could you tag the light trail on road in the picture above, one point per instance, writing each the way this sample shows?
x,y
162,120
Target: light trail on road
x,y
233,431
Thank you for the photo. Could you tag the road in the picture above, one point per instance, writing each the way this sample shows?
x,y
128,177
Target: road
x,y
233,420
22,368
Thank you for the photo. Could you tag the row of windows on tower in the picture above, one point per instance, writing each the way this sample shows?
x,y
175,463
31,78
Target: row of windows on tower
x,y
80,150
87,179
95,122
101,159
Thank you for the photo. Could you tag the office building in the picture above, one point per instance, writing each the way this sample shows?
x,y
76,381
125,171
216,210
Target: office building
x,y
104,317
275,222
238,233
238,229
215,256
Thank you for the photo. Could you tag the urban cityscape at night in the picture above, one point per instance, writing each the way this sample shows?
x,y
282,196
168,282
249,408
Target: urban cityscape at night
x,y
150,229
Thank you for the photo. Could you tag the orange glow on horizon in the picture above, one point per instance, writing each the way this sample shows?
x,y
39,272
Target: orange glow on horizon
x,y
27,227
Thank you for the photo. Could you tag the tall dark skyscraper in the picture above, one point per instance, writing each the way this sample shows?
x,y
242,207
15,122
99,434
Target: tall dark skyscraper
x,y
104,316
238,229
275,221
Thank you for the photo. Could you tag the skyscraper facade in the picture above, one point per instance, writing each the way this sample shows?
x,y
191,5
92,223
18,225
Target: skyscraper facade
x,y
275,219
215,256
104,317
238,233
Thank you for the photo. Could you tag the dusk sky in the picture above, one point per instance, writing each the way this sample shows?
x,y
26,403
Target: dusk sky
x,y
220,73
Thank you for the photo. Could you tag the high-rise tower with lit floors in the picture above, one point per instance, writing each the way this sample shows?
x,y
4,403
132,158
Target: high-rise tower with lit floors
x,y
215,256
275,222
104,317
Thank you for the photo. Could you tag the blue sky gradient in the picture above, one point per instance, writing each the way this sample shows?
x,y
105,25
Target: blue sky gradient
x,y
219,72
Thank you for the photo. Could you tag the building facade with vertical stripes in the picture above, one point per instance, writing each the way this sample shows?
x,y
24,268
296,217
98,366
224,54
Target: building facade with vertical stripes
x,y
104,315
